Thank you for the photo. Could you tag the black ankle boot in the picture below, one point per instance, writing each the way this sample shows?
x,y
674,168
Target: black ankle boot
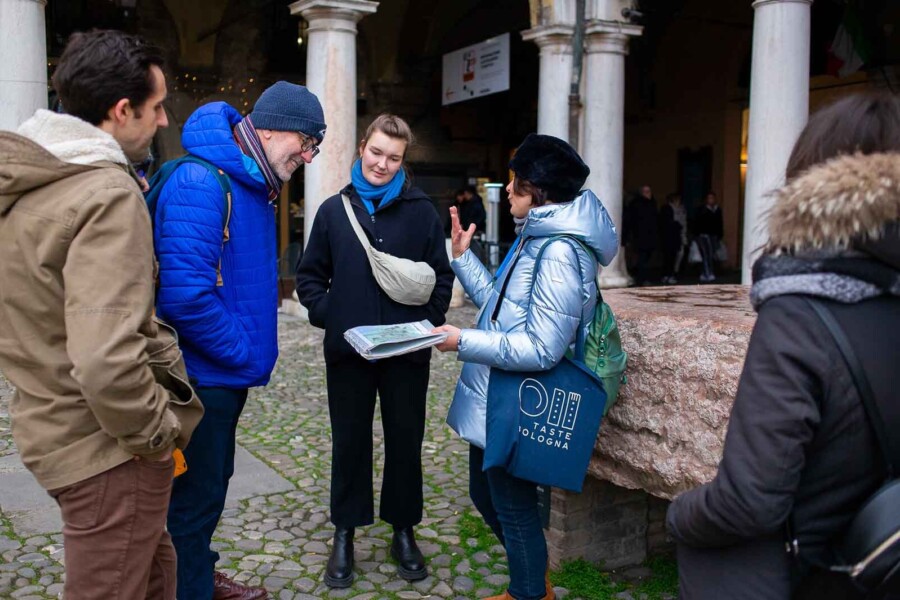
x,y
405,551
339,572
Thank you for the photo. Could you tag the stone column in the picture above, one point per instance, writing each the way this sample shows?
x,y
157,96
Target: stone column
x,y
604,125
779,107
555,42
23,67
331,75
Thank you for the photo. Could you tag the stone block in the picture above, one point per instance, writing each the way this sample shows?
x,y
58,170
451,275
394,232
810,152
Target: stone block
x,y
686,349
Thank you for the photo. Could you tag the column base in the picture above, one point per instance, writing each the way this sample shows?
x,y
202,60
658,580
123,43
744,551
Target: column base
x,y
613,279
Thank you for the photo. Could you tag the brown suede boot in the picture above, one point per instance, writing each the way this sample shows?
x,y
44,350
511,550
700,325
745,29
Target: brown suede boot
x,y
551,595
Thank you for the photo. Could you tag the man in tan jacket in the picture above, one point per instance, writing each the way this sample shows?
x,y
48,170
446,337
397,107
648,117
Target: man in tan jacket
x,y
102,397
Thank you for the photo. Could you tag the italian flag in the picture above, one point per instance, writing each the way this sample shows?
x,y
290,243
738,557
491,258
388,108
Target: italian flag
x,y
849,50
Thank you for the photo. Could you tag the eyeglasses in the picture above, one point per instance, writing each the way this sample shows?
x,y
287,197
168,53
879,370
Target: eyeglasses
x,y
308,144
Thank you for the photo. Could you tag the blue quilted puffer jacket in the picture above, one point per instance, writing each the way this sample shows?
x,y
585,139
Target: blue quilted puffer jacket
x,y
228,333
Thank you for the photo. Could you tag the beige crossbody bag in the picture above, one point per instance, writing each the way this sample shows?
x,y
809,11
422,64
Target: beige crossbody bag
x,y
403,280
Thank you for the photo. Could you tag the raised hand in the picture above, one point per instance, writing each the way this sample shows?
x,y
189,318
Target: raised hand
x,y
459,239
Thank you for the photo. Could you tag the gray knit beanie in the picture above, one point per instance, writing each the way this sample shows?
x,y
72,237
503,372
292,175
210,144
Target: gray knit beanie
x,y
286,106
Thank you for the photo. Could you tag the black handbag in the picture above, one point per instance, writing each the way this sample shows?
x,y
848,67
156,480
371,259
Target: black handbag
x,y
869,549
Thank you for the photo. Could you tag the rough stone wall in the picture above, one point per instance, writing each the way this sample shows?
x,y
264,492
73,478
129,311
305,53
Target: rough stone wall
x,y
686,348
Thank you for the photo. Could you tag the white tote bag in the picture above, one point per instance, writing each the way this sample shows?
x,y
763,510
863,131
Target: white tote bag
x,y
694,255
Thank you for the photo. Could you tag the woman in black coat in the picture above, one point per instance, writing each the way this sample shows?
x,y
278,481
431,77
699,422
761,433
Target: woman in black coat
x,y
799,445
335,283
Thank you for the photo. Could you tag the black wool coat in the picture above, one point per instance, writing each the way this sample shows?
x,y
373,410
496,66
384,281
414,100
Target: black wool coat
x,y
670,229
640,227
334,279
798,444
708,221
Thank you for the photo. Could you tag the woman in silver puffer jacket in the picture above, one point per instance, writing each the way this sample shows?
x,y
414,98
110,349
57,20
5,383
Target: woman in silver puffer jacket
x,y
535,325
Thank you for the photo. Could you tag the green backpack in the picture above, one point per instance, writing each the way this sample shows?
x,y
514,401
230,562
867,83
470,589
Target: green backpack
x,y
603,352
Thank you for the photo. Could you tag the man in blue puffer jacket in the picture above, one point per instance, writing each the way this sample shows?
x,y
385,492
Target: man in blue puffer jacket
x,y
218,287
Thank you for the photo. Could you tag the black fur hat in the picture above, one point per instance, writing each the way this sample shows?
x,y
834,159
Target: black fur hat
x,y
550,164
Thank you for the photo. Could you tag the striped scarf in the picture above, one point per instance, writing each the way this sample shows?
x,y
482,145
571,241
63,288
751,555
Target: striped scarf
x,y
246,137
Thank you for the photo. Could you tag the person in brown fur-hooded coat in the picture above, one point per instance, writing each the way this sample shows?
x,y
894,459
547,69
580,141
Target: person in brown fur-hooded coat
x,y
799,448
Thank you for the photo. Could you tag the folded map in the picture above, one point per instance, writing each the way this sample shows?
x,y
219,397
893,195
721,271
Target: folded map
x,y
381,341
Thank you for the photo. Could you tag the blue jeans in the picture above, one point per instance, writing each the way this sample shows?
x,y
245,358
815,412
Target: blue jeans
x,y
509,506
198,496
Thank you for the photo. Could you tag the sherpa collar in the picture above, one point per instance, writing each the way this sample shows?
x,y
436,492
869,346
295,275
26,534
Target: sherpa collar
x,y
828,230
72,140
843,200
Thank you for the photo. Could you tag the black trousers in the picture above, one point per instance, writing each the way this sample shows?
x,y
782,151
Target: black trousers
x,y
401,387
642,266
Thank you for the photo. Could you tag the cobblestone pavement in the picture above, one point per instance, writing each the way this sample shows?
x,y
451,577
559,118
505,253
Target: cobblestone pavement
x,y
281,541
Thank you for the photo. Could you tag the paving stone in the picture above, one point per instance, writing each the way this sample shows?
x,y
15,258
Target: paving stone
x,y
463,584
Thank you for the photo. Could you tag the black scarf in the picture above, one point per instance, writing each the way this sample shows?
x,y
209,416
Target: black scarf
x,y
847,276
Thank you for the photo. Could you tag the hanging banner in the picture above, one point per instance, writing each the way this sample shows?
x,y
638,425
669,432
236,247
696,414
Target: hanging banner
x,y
476,70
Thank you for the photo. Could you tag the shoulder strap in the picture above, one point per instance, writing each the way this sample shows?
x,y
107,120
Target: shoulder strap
x,y
354,223
579,339
160,178
223,181
870,403
589,253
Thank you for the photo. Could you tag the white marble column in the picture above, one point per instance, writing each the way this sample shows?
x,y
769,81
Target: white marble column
x,y
604,125
555,77
779,108
23,61
331,75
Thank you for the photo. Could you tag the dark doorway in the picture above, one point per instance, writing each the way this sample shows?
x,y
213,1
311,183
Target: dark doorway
x,y
694,176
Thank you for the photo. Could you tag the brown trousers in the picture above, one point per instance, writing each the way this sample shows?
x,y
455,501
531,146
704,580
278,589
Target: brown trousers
x,y
114,532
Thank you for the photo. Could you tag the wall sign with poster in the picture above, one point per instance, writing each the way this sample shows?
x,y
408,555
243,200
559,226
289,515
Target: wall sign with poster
x,y
476,70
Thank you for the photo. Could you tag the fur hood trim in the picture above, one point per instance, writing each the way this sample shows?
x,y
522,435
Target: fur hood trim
x,y
846,200
72,140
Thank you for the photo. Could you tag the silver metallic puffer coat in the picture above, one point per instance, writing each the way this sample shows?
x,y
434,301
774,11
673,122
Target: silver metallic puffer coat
x,y
539,316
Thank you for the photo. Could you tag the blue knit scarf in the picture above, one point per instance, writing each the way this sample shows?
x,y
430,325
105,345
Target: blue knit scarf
x,y
368,192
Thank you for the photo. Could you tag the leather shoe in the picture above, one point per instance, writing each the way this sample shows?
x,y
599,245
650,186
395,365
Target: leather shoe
x,y
339,572
551,595
226,589
405,551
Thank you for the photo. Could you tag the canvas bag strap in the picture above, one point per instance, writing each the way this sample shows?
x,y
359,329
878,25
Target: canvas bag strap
x,y
506,278
597,277
354,223
579,335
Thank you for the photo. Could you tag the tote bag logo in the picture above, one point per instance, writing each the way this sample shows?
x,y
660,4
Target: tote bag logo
x,y
551,418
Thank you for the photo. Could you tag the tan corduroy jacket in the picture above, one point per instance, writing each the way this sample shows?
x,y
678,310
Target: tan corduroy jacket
x,y
98,379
